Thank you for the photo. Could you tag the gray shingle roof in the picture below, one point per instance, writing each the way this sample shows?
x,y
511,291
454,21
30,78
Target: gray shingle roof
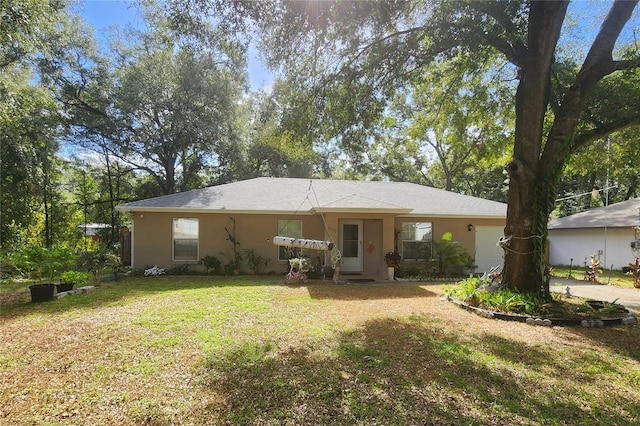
x,y
307,196
620,215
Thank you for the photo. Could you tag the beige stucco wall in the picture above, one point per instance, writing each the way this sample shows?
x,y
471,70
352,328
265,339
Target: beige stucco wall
x,y
459,227
152,235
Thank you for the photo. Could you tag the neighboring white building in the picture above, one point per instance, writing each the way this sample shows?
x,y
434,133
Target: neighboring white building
x,y
92,229
606,232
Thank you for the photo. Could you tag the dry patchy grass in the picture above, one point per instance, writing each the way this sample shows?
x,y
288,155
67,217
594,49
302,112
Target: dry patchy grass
x,y
252,351
615,277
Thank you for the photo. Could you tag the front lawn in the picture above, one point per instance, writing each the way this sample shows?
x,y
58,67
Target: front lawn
x,y
202,350
607,276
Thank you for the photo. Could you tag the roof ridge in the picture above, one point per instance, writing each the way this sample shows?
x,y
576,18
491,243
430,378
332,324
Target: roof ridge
x,y
362,196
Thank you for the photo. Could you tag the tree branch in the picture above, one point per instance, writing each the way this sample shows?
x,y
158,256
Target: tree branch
x,y
628,64
584,138
599,61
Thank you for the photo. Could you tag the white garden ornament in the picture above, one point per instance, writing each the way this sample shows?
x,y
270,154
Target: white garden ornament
x,y
152,272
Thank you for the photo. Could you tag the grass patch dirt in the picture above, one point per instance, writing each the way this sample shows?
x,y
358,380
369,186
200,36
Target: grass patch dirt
x,y
213,351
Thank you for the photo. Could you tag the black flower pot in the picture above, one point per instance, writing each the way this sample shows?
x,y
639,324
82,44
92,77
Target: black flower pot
x,y
64,287
42,292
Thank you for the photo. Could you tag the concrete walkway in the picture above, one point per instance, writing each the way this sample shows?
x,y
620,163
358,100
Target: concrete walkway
x,y
628,297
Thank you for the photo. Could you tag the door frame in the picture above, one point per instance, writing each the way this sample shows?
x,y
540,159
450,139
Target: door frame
x,y
352,264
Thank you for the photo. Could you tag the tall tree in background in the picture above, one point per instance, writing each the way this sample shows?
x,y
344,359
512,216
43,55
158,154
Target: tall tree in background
x,y
29,167
160,103
25,27
460,114
274,148
605,172
180,106
349,59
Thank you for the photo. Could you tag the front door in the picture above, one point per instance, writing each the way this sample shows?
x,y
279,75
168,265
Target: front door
x,y
351,245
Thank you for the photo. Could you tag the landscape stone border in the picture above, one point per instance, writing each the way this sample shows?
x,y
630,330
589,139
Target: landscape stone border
x,y
628,318
85,289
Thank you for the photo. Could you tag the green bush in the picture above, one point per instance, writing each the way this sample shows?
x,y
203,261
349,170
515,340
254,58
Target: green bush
x,y
211,263
98,261
414,271
451,256
75,277
255,261
178,270
41,263
472,291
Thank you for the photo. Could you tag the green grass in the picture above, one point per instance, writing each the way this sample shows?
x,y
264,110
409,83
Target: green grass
x,y
201,350
613,277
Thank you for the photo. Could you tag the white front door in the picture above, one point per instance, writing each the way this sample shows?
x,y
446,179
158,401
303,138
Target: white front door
x,y
351,245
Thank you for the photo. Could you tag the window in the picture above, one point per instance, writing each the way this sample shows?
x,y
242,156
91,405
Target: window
x,y
417,239
185,239
291,229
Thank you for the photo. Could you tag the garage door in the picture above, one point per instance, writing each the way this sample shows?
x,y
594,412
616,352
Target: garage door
x,y
488,254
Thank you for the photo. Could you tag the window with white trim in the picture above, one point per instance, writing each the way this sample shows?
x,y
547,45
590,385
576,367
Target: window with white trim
x,y
185,239
290,229
417,240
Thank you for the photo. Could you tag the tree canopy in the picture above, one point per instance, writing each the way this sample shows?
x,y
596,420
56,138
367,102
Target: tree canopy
x,y
349,58
469,96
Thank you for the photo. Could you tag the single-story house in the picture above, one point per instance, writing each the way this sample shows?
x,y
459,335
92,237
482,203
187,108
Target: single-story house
x,y
606,232
364,219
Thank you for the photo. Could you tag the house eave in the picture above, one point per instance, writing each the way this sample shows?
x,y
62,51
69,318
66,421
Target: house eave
x,y
592,228
399,212
452,216
186,210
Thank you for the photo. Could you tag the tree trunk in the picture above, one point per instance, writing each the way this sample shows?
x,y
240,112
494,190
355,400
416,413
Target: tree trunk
x,y
534,172
528,206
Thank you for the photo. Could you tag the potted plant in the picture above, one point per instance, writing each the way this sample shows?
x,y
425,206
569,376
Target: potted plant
x,y
45,262
392,259
71,278
299,266
41,292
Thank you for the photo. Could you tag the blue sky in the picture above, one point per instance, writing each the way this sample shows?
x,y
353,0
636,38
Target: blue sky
x,y
101,14
585,17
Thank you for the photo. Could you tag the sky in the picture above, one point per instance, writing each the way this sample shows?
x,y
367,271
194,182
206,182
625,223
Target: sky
x,y
101,14
585,17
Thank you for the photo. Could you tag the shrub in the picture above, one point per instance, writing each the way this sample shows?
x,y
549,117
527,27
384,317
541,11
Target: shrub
x,y
415,272
451,255
75,277
40,262
255,261
178,270
211,263
472,291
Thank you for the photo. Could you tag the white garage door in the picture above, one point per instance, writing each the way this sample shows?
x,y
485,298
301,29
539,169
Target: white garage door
x,y
488,254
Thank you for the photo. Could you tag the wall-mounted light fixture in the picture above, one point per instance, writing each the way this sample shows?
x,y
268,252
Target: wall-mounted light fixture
x,y
469,227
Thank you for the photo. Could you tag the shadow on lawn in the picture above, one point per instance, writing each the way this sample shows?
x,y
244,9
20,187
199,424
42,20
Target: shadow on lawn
x,y
624,339
414,372
367,292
